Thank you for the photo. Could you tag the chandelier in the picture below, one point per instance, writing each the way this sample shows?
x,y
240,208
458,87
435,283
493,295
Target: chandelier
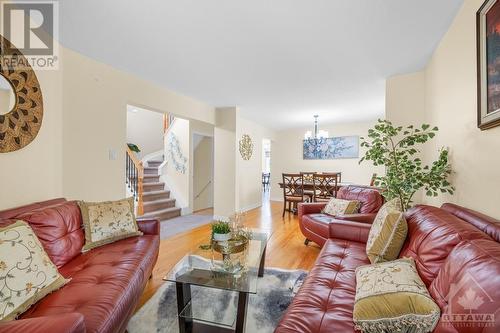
x,y
316,133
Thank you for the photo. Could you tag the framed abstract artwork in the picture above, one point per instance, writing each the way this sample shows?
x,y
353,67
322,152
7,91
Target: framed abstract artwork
x,y
488,64
331,148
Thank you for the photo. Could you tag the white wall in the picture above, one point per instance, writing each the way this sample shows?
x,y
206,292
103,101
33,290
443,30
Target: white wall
x,y
451,104
178,182
449,100
34,173
226,184
249,172
95,98
145,129
405,99
287,157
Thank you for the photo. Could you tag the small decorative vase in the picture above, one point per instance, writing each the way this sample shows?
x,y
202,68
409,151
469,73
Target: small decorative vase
x,y
222,237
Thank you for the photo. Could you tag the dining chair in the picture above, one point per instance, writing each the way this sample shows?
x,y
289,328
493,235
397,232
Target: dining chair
x,y
308,178
338,174
265,180
293,190
325,187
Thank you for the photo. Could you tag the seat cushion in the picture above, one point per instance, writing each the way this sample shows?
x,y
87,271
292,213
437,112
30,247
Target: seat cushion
x,y
104,283
325,301
432,235
59,229
371,199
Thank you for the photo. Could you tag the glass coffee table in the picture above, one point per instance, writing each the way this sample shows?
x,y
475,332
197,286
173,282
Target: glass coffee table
x,y
198,269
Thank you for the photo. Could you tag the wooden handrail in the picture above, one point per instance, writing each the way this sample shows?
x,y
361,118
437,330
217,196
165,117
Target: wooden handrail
x,y
138,175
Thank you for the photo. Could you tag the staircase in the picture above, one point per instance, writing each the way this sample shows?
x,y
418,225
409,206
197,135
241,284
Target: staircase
x,y
157,202
152,199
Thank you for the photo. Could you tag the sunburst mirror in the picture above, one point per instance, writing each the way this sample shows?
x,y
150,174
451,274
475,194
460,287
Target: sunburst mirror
x,y
21,103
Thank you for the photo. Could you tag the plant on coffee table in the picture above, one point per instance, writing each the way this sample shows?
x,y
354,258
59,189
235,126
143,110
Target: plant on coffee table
x,y
395,147
221,231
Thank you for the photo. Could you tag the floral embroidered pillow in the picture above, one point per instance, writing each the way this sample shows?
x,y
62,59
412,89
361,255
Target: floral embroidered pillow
x,y
391,297
26,272
107,222
340,207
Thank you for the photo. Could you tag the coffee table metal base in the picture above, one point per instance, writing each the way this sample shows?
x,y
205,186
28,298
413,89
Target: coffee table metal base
x,y
187,325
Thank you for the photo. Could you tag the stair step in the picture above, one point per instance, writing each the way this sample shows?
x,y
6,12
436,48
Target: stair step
x,y
154,164
164,214
150,171
158,186
151,179
152,206
155,195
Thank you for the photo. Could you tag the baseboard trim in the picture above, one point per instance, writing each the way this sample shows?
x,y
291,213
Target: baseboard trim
x,y
254,206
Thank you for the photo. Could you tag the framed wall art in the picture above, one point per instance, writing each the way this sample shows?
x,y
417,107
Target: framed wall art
x,y
488,64
331,148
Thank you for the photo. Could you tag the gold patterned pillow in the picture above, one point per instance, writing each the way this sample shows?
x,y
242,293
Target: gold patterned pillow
x,y
107,222
26,272
387,233
391,297
340,207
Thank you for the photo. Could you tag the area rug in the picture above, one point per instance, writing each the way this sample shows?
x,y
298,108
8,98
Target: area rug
x,y
181,224
275,292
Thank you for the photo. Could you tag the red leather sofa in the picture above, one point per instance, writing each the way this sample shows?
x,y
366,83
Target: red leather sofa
x,y
455,250
106,282
315,226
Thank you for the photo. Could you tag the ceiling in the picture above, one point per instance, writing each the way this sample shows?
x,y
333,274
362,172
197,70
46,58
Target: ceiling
x,y
280,61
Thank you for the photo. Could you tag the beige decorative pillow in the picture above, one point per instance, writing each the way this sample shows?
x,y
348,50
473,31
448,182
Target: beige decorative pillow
x,y
107,222
387,234
26,272
391,297
340,207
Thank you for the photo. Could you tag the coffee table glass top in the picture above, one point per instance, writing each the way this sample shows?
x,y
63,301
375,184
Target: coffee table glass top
x,y
197,268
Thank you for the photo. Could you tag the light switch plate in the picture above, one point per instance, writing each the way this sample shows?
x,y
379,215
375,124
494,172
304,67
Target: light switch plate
x,y
112,154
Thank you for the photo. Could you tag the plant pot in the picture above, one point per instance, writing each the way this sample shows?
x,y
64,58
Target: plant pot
x,y
222,237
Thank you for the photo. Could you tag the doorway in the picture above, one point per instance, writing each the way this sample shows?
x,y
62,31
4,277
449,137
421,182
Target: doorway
x,y
266,169
203,172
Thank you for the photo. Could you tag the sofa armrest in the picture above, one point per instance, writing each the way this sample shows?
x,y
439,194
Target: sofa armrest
x,y
149,226
363,218
310,208
63,323
349,230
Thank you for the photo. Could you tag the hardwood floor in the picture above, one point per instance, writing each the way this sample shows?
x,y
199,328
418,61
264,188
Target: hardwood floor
x,y
285,248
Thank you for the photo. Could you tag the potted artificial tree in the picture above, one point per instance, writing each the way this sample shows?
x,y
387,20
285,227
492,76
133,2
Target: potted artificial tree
x,y
396,148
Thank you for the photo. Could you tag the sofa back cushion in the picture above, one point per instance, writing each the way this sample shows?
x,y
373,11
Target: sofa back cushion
x,y
468,285
486,224
59,229
432,235
371,200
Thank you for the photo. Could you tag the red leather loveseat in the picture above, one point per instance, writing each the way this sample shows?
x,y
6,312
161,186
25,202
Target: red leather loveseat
x,y
315,226
106,282
457,254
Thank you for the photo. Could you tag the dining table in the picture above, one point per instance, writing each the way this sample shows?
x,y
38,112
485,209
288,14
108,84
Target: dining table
x,y
309,185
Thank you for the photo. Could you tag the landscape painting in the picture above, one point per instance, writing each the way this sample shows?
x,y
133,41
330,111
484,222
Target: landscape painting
x,y
489,64
331,148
